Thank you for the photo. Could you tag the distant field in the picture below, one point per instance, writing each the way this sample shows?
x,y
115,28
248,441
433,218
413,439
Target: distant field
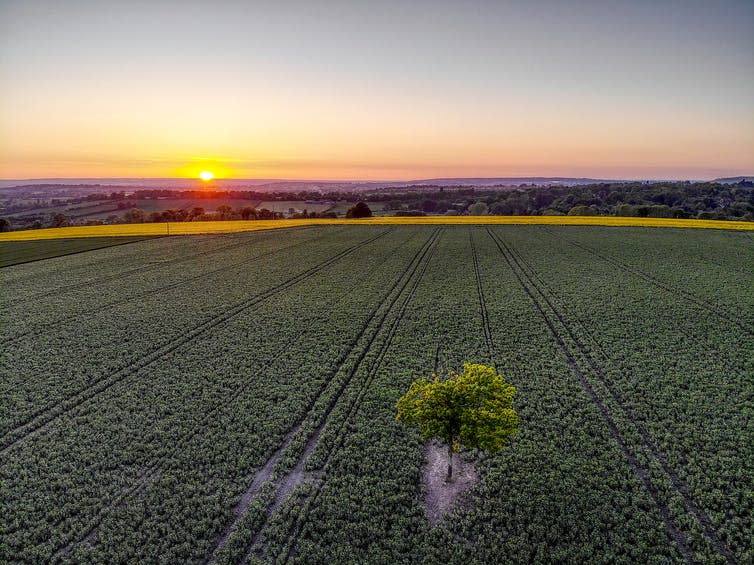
x,y
195,228
16,252
284,206
231,398
341,208
103,209
209,204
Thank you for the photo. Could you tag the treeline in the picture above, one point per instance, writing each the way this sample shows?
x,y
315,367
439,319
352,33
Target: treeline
x,y
196,214
224,212
662,200
218,194
704,200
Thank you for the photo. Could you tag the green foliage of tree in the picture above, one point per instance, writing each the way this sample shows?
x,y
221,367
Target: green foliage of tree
x,y
473,409
660,211
58,220
134,216
478,209
582,211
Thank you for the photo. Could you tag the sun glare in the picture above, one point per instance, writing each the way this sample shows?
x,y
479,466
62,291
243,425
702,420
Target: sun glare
x,y
206,176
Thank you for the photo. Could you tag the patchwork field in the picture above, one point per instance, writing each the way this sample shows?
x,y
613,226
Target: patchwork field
x,y
231,398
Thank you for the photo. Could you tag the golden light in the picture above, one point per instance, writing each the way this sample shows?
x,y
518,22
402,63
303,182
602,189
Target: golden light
x,y
206,176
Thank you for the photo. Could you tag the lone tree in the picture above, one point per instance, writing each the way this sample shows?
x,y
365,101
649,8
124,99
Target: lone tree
x,y
472,409
361,210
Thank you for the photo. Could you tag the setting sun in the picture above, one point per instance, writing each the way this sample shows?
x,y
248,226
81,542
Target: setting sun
x,y
206,176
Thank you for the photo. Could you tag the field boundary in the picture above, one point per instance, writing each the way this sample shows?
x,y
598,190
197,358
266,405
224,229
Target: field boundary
x,y
232,226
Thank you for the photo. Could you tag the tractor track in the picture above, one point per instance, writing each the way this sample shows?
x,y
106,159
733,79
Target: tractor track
x,y
126,273
141,269
287,482
296,475
207,417
542,305
68,254
86,313
722,312
340,435
650,445
43,417
482,304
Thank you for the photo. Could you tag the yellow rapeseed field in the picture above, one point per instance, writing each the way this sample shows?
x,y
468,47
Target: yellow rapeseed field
x,y
195,228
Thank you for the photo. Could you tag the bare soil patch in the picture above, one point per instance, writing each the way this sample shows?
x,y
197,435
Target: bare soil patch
x,y
441,497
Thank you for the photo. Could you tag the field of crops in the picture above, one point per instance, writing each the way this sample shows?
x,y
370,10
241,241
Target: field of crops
x,y
231,398
26,251
236,226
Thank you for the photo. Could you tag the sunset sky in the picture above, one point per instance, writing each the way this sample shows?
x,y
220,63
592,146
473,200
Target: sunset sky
x,y
376,90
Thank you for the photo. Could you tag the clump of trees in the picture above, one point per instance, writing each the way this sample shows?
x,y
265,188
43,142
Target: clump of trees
x,y
705,200
360,210
472,409
478,209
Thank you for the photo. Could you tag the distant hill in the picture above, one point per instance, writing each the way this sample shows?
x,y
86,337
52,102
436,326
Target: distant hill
x,y
183,183
733,180
509,181
116,184
285,184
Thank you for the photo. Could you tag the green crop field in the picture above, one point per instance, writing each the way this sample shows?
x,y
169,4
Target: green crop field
x,y
231,398
16,252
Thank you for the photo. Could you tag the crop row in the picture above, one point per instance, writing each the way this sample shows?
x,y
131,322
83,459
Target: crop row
x,y
652,497
39,280
618,417
709,301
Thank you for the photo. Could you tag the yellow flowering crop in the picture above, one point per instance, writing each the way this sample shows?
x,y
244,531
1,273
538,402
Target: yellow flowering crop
x,y
230,226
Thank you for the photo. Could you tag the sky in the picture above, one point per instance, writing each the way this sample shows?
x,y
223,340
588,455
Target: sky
x,y
654,89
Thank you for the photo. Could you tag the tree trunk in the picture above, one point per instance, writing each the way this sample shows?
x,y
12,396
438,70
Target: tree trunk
x,y
449,478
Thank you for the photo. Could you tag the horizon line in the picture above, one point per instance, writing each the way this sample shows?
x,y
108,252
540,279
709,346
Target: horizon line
x,y
367,180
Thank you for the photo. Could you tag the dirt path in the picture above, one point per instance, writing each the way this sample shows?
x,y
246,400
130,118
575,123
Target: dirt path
x,y
440,496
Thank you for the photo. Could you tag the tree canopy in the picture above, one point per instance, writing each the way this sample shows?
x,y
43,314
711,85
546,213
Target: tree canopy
x,y
361,210
472,409
478,209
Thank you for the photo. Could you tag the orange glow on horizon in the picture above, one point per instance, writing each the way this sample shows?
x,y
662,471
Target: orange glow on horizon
x,y
361,91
